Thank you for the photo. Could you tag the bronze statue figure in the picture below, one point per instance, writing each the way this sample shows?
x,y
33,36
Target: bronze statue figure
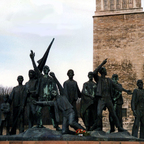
x,y
72,91
31,90
45,85
89,102
17,98
104,91
117,100
137,105
5,115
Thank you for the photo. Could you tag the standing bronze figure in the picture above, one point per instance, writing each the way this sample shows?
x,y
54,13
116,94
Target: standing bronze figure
x,y
89,102
31,89
117,100
104,91
45,85
137,105
17,98
72,91
5,115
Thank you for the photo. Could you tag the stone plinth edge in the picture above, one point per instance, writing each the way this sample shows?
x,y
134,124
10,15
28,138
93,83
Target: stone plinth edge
x,y
70,142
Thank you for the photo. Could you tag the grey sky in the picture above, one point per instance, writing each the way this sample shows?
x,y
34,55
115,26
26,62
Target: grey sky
x,y
31,25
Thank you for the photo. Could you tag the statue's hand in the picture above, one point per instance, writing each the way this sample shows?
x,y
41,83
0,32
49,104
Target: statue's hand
x,y
32,55
34,102
52,74
114,99
129,92
28,91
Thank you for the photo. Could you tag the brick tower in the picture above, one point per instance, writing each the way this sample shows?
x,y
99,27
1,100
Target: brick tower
x,y
118,34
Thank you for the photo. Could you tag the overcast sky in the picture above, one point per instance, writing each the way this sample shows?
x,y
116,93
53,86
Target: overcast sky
x,y
31,25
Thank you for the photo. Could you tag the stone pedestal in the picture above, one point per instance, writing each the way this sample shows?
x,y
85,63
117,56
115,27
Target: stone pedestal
x,y
44,134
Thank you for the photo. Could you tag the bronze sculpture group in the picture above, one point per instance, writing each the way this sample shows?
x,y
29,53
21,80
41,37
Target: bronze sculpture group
x,y
45,90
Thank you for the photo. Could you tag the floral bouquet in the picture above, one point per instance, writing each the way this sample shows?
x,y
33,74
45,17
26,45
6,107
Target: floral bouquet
x,y
81,132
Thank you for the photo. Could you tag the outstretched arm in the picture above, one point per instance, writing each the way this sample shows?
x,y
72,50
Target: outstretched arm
x,y
43,103
127,91
58,83
32,55
99,67
86,92
133,102
120,88
95,72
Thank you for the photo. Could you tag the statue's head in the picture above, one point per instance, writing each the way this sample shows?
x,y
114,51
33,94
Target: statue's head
x,y
140,84
46,69
70,73
5,98
103,71
32,74
115,78
90,75
20,79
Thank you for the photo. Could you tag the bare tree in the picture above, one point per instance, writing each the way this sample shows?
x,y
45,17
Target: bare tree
x,y
4,91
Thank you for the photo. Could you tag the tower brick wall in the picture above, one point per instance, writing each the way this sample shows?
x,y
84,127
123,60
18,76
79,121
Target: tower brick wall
x,y
118,34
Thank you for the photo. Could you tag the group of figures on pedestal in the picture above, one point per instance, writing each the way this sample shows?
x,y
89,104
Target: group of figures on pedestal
x,y
44,89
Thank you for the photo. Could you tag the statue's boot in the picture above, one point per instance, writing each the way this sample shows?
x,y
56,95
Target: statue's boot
x,y
87,128
68,132
55,125
110,131
58,128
